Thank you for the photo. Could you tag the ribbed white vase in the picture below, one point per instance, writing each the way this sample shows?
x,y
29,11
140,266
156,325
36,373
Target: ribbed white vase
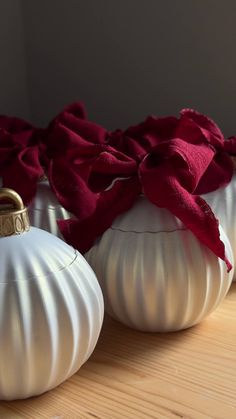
x,y
51,313
45,210
154,274
223,204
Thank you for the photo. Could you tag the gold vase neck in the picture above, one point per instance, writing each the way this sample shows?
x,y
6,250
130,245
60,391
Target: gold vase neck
x,y
13,214
43,178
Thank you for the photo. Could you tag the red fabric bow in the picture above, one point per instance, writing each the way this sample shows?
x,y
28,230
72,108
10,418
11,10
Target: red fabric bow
x,y
139,140
24,152
20,168
97,175
167,158
90,178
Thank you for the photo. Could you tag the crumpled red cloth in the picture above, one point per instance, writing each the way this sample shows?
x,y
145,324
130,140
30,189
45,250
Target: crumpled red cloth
x,y
97,175
220,171
191,126
82,169
20,167
24,152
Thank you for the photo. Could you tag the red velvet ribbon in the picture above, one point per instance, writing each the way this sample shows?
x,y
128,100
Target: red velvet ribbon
x,y
97,175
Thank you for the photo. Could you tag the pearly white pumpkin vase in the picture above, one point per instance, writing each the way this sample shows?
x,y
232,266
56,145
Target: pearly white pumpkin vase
x,y
154,274
223,204
51,313
45,209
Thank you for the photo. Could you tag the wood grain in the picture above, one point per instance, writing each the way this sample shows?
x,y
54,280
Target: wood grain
x,y
188,374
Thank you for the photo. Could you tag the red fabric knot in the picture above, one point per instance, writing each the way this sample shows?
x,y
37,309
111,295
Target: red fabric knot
x,y
90,178
192,127
97,175
24,156
182,158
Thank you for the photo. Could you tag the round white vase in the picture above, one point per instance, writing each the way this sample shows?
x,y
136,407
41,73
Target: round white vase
x,y
154,274
45,210
51,310
223,204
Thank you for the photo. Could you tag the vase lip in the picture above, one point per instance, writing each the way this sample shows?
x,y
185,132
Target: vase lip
x,y
145,217
47,275
14,218
149,231
35,256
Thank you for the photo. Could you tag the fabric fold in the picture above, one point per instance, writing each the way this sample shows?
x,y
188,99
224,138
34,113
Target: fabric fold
x,y
97,175
176,177
172,160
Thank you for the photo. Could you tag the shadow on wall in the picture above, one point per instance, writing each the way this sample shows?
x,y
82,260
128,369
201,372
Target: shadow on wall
x,y
131,58
14,94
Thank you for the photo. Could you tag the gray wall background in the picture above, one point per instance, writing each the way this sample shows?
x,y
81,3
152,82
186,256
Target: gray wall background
x,y
124,58
14,93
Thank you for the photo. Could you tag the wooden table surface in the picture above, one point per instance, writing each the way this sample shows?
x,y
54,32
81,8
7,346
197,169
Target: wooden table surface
x,y
188,374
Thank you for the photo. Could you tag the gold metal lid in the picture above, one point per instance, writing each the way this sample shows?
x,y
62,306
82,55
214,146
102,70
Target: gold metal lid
x,y
13,215
43,178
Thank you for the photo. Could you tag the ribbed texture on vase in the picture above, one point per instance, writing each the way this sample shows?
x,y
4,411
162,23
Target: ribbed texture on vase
x,y
223,204
161,281
49,322
144,217
35,253
45,210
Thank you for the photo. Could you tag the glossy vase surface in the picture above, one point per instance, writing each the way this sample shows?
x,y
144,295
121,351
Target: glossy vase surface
x,y
155,275
51,313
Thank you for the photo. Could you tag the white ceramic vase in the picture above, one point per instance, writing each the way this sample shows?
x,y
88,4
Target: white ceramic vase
x,y
223,204
154,274
45,210
51,311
